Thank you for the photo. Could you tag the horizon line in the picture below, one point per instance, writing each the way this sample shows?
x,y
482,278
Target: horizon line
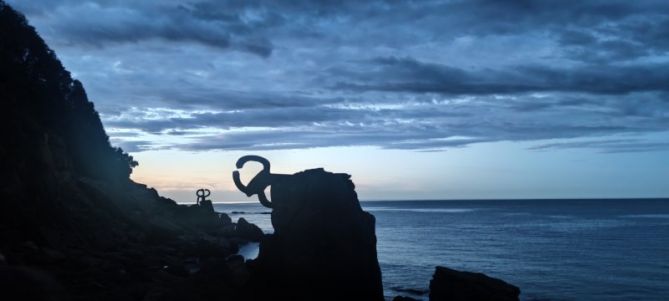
x,y
478,199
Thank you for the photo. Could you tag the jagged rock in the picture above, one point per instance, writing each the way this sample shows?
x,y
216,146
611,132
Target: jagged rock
x,y
404,298
451,285
207,205
412,291
248,231
323,246
225,219
21,283
239,270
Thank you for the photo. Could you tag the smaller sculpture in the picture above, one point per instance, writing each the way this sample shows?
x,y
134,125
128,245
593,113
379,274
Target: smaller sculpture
x,y
202,195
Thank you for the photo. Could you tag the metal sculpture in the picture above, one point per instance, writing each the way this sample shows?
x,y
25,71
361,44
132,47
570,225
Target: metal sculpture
x,y
258,184
202,195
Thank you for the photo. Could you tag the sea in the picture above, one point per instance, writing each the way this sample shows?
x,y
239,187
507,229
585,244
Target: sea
x,y
587,249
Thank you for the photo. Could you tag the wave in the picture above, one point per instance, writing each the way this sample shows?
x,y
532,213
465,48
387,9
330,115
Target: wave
x,y
645,216
411,291
250,212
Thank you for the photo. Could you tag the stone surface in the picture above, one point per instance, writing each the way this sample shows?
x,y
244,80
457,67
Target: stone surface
x,y
323,246
451,285
248,231
404,298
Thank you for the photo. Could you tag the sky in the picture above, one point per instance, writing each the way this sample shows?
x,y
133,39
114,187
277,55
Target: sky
x,y
416,99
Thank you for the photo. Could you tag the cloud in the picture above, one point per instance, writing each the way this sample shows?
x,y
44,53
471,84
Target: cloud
x,y
410,75
436,123
426,75
609,146
101,23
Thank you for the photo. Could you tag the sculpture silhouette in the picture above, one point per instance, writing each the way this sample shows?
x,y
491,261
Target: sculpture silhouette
x,y
202,195
258,184
202,201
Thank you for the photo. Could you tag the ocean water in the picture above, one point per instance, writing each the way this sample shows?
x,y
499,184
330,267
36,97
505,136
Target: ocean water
x,y
551,249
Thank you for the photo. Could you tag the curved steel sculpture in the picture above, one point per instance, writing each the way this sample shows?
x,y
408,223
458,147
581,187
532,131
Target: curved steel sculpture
x,y
258,184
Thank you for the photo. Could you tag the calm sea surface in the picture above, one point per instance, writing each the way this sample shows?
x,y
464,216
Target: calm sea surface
x,y
551,249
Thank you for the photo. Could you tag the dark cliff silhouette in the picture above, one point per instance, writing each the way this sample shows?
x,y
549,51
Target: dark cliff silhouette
x,y
36,87
73,226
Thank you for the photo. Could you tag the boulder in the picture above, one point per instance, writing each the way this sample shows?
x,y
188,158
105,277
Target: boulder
x,y
239,270
452,285
207,205
225,219
248,231
323,246
404,298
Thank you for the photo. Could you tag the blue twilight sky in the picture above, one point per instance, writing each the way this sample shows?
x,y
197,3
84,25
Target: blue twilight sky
x,y
416,99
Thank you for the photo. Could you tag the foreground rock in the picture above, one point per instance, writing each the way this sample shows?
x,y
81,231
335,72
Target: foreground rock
x,y
404,298
323,246
451,285
248,231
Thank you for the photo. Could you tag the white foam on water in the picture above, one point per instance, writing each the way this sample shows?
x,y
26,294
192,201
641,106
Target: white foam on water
x,y
249,250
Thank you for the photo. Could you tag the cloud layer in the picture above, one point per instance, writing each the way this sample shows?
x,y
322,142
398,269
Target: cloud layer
x,y
424,75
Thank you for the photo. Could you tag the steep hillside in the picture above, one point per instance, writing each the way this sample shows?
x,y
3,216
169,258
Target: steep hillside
x,y
68,209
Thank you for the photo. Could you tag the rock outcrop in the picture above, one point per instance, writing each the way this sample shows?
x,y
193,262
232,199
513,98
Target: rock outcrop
x,y
451,285
248,231
72,224
323,246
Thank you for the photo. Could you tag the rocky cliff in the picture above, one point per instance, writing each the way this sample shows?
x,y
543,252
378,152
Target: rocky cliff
x,y
72,223
323,246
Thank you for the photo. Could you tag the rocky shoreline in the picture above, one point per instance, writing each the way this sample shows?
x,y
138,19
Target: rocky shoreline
x,y
73,226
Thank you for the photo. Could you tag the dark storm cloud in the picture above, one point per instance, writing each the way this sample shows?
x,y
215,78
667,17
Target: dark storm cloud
x,y
422,75
633,27
590,30
410,75
97,23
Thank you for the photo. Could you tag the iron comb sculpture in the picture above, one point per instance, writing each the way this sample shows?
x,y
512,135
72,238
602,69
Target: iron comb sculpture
x,y
202,195
258,184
